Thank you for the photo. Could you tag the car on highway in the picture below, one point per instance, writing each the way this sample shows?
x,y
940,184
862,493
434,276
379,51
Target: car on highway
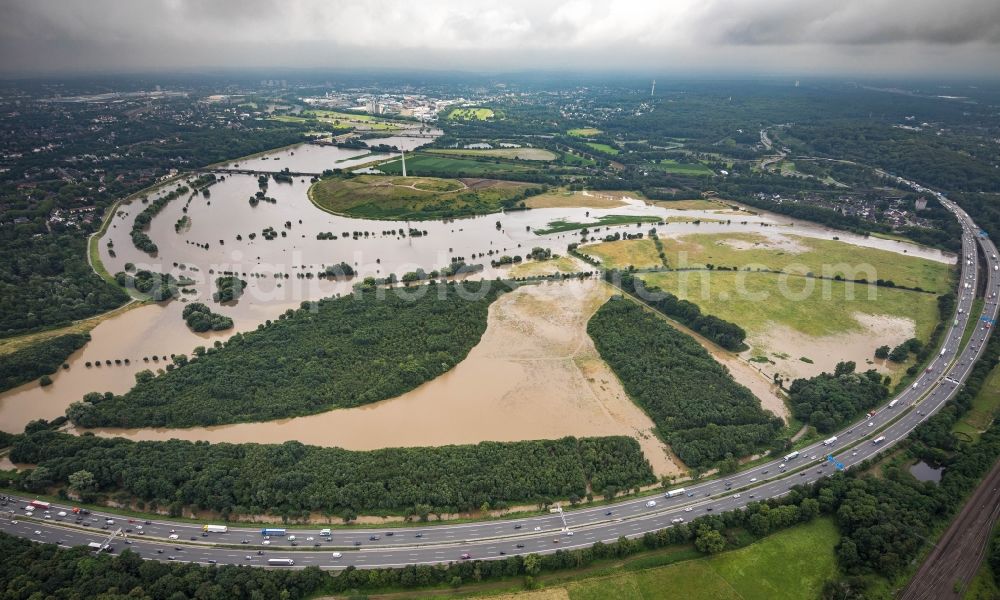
x,y
688,509
736,496
465,556
337,555
651,504
519,546
677,520
172,536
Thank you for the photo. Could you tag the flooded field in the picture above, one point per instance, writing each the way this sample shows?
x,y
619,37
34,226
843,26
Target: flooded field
x,y
218,238
534,375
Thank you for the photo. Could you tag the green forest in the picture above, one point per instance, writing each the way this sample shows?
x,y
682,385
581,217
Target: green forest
x,y
335,353
293,479
42,358
45,281
829,401
697,407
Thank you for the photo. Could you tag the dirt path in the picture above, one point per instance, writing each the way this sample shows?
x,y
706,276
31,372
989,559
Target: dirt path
x,y
948,569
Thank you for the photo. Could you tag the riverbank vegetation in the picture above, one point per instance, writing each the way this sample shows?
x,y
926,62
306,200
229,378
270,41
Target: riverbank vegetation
x,y
199,318
295,480
697,407
335,353
36,360
377,197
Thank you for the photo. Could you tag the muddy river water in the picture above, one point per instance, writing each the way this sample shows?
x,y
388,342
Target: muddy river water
x,y
501,392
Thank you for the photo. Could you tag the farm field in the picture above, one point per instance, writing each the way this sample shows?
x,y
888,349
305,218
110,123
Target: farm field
x,y
540,154
378,197
796,254
435,165
783,327
789,564
672,166
692,204
606,149
562,198
471,114
640,254
584,132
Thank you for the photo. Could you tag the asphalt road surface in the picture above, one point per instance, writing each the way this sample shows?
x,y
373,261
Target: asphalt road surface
x,y
575,528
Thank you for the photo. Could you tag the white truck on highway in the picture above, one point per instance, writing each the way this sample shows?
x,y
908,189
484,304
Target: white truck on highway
x,y
790,456
215,528
673,493
829,441
878,440
894,403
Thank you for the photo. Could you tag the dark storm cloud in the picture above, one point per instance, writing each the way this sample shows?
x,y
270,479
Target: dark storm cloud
x,y
834,36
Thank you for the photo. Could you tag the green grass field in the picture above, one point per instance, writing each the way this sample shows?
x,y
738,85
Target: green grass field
x,y
584,132
563,225
540,154
802,255
378,197
622,254
471,114
606,149
755,300
984,407
672,166
447,166
790,564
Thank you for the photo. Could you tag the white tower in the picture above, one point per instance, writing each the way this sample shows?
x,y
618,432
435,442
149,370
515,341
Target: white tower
x,y
652,90
402,154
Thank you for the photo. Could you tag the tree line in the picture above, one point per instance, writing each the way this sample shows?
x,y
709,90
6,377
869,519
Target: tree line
x,y
697,407
334,353
199,318
724,333
293,480
38,360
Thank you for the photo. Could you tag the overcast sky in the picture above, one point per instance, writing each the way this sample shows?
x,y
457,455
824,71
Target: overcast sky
x,y
800,37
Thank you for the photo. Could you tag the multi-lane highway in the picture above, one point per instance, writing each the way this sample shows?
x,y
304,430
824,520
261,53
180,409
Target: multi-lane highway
x,y
167,540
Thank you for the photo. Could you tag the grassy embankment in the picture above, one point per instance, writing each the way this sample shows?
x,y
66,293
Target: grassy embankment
x,y
790,564
539,154
984,408
584,132
377,197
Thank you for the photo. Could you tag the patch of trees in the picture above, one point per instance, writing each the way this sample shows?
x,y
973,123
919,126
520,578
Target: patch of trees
x,y
142,220
158,286
39,359
228,288
199,318
293,479
45,280
339,271
728,335
696,405
828,401
335,353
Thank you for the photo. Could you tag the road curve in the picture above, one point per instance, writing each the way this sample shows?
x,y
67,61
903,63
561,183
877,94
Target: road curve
x,y
432,544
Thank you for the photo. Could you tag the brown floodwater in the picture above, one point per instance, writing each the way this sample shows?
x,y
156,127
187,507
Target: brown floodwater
x,y
208,246
534,375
